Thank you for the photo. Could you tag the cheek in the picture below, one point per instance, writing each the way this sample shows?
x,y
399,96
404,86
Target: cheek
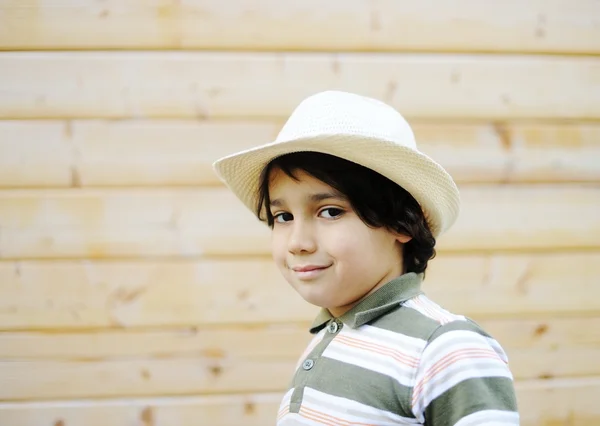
x,y
278,246
351,244
358,248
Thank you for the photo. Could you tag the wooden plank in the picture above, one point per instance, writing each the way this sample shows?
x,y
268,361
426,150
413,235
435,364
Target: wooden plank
x,y
224,365
99,153
211,221
125,363
34,154
203,84
228,410
201,375
467,25
82,295
194,375
559,402
544,332
541,403
242,340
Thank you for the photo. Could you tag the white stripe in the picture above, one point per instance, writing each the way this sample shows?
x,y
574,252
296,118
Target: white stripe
x,y
351,411
403,347
430,309
382,363
490,418
454,375
429,387
456,340
293,419
413,346
498,348
286,398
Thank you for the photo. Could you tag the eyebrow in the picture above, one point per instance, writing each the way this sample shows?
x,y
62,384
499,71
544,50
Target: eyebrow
x,y
314,198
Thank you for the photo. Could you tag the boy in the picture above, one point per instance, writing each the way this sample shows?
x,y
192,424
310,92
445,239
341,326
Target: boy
x,y
355,210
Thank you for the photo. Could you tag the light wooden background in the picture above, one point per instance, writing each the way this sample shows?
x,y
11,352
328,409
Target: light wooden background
x,y
135,290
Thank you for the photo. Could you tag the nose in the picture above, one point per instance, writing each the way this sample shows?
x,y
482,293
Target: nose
x,y
302,238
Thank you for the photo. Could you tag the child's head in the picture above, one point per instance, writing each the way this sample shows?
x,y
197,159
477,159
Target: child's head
x,y
351,200
356,226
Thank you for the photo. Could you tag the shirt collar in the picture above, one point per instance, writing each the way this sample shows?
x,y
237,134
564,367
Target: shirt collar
x,y
381,301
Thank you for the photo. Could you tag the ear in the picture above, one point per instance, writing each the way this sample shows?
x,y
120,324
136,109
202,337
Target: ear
x,y
402,238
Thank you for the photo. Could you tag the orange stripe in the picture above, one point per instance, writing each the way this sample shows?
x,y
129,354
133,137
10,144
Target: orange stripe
x,y
282,413
443,315
376,345
318,419
319,415
418,302
427,310
450,359
430,309
419,388
372,347
457,355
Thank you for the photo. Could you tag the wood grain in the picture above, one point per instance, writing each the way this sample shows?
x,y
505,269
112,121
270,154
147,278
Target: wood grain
x,y
339,25
250,409
95,223
240,358
542,332
541,403
152,153
59,295
203,375
208,85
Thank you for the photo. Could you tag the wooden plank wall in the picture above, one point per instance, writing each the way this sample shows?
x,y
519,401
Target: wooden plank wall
x,y
134,289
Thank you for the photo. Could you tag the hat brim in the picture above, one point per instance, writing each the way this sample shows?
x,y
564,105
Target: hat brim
x,y
426,180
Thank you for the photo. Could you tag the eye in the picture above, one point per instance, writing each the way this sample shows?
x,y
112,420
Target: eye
x,y
283,217
331,212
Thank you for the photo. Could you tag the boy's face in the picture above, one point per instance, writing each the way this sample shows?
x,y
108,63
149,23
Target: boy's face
x,y
323,249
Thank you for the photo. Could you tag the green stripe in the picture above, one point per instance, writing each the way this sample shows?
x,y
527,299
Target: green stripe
x,y
468,325
296,399
361,385
471,396
408,322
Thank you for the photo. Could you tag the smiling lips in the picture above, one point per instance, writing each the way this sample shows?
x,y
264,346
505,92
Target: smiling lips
x,y
308,272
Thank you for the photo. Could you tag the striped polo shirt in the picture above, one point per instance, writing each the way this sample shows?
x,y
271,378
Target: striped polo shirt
x,y
399,358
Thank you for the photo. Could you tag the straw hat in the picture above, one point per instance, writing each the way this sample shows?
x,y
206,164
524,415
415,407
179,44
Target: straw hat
x,y
359,129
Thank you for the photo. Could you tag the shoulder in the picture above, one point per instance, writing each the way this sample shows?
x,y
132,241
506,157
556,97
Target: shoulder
x,y
452,331
463,372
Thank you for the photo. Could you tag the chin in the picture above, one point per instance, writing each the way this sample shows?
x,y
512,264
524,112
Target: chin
x,y
320,301
314,299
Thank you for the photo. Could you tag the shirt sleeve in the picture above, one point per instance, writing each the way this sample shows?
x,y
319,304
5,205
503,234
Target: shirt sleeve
x,y
463,379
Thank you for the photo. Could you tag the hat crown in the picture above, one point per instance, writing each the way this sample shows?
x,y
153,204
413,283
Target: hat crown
x,y
341,113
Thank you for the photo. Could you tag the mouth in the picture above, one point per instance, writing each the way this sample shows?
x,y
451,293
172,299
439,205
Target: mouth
x,y
307,272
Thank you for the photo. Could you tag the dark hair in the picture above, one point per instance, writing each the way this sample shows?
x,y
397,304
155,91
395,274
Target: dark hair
x,y
377,200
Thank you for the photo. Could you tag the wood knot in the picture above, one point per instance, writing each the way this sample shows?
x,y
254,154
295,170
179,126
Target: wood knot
x,y
540,330
216,370
503,133
75,177
147,417
249,408
145,374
